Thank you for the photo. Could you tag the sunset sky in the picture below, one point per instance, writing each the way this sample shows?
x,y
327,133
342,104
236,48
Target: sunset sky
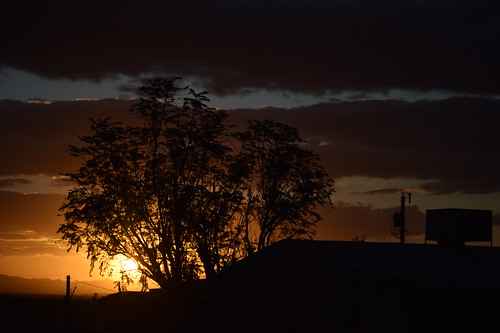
x,y
393,95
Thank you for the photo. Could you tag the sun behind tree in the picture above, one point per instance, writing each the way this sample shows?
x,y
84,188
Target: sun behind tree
x,y
176,198
130,265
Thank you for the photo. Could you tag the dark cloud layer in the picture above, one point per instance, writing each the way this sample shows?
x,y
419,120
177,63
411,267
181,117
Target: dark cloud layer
x,y
452,145
386,190
34,137
10,182
305,45
35,215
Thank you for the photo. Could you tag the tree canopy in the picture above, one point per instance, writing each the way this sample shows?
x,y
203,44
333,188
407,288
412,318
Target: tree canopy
x,y
184,195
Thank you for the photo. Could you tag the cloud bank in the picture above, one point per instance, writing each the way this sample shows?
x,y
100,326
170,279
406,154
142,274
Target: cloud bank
x,y
308,46
451,145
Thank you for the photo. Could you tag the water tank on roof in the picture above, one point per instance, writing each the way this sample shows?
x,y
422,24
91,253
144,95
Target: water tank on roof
x,y
454,227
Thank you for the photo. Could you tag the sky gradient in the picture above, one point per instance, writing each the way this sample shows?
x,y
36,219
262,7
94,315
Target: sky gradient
x,y
393,95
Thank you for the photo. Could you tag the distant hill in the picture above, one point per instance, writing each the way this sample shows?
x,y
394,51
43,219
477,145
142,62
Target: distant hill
x,y
18,285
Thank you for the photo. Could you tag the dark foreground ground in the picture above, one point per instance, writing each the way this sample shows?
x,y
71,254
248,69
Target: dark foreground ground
x,y
47,313
297,286
349,312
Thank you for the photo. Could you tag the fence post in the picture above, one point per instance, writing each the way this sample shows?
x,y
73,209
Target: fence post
x,y
66,319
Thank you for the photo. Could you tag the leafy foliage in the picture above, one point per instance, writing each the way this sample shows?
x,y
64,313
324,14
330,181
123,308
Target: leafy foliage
x,y
284,185
174,196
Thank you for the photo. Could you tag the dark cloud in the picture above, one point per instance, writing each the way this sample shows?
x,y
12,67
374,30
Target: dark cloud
x,y
131,87
473,185
308,46
10,182
34,137
386,190
33,215
451,145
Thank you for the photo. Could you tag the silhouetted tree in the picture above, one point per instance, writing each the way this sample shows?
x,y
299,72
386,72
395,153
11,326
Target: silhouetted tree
x,y
283,186
172,195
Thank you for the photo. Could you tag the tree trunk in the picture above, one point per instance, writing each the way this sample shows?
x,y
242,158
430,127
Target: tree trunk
x,y
206,259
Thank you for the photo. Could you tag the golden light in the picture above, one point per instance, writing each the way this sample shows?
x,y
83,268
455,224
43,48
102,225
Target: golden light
x,y
129,265
121,264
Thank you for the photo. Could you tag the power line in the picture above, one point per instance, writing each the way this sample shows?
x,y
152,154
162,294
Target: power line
x,y
92,285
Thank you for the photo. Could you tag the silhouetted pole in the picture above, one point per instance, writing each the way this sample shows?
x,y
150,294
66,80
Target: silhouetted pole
x,y
66,319
402,217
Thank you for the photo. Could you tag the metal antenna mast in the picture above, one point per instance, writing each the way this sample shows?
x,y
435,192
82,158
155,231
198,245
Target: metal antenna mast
x,y
399,217
402,221
402,212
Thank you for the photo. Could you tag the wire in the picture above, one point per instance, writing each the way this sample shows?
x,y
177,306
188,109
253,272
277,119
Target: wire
x,y
92,285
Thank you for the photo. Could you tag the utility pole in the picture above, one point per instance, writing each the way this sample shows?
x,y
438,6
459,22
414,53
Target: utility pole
x,y
66,318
